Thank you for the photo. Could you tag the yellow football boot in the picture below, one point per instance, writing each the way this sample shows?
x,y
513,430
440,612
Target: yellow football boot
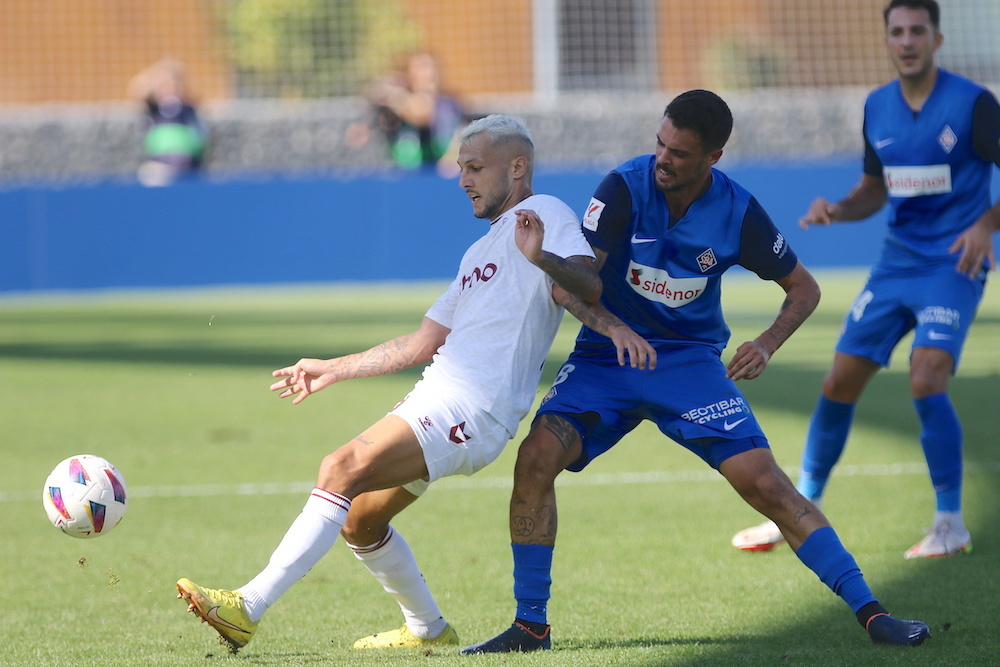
x,y
223,610
404,638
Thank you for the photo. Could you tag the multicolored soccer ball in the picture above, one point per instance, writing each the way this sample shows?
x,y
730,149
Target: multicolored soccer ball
x,y
85,496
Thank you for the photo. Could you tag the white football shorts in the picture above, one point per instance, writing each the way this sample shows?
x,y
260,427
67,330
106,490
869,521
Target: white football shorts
x,y
457,438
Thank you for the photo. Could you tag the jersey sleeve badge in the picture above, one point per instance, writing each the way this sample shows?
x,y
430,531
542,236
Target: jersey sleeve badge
x,y
593,216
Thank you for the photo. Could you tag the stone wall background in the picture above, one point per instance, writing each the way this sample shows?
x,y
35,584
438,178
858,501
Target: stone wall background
x,y
102,142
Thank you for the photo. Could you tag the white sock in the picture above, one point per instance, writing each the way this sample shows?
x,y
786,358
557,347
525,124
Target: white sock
x,y
308,539
391,561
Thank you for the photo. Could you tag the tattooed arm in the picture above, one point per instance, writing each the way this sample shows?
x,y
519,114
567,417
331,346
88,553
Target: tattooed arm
x,y
575,274
307,376
801,298
595,316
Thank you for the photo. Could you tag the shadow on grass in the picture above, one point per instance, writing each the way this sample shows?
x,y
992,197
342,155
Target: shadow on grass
x,y
264,358
241,339
950,595
886,403
601,644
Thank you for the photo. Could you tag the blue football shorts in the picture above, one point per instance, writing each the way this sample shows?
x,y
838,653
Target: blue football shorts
x,y
687,396
937,303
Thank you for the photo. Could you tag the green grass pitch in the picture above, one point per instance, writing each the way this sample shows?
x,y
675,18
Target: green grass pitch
x,y
172,386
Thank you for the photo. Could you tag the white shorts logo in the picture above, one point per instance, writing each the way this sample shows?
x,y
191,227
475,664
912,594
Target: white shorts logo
x,y
729,426
934,179
728,407
939,315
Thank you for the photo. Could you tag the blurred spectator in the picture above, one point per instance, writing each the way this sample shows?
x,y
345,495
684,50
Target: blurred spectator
x,y
176,140
417,118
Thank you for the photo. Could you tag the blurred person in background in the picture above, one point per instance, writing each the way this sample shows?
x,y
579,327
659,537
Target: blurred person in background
x,y
931,140
175,140
417,118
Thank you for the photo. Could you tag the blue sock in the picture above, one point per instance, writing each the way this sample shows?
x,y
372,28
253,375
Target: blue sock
x,y
828,429
532,580
941,438
823,553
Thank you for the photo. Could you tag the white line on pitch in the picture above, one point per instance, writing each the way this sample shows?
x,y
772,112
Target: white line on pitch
x,y
483,482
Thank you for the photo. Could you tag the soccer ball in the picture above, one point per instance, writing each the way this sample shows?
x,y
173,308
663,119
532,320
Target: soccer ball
x,y
85,496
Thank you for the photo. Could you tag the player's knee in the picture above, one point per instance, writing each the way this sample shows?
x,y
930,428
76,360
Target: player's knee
x,y
540,457
340,472
929,380
765,489
535,463
837,388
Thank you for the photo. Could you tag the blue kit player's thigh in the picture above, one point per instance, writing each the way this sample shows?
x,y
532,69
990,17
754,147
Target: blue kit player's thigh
x,y
944,306
695,404
600,398
687,395
939,303
877,320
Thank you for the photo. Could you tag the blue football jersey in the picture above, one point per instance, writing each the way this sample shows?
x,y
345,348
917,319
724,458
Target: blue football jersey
x,y
663,277
938,183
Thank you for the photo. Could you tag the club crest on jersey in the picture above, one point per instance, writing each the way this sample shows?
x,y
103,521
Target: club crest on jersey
x,y
706,260
947,139
593,215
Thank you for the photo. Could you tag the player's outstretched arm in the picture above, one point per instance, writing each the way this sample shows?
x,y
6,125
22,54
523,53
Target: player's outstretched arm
x,y
976,243
574,274
801,297
307,376
632,348
863,201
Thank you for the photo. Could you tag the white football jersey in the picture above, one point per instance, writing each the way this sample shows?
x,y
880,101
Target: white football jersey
x,y
501,314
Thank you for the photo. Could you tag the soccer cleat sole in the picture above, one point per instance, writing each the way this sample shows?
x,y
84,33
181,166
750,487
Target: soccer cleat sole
x,y
913,552
763,537
759,547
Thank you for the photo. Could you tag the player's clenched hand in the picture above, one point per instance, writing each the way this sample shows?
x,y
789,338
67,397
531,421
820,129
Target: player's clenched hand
x,y
528,234
306,377
976,244
749,361
821,212
629,344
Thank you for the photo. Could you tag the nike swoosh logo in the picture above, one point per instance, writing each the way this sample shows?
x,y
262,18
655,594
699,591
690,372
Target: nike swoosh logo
x,y
934,335
636,239
882,143
729,427
213,617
